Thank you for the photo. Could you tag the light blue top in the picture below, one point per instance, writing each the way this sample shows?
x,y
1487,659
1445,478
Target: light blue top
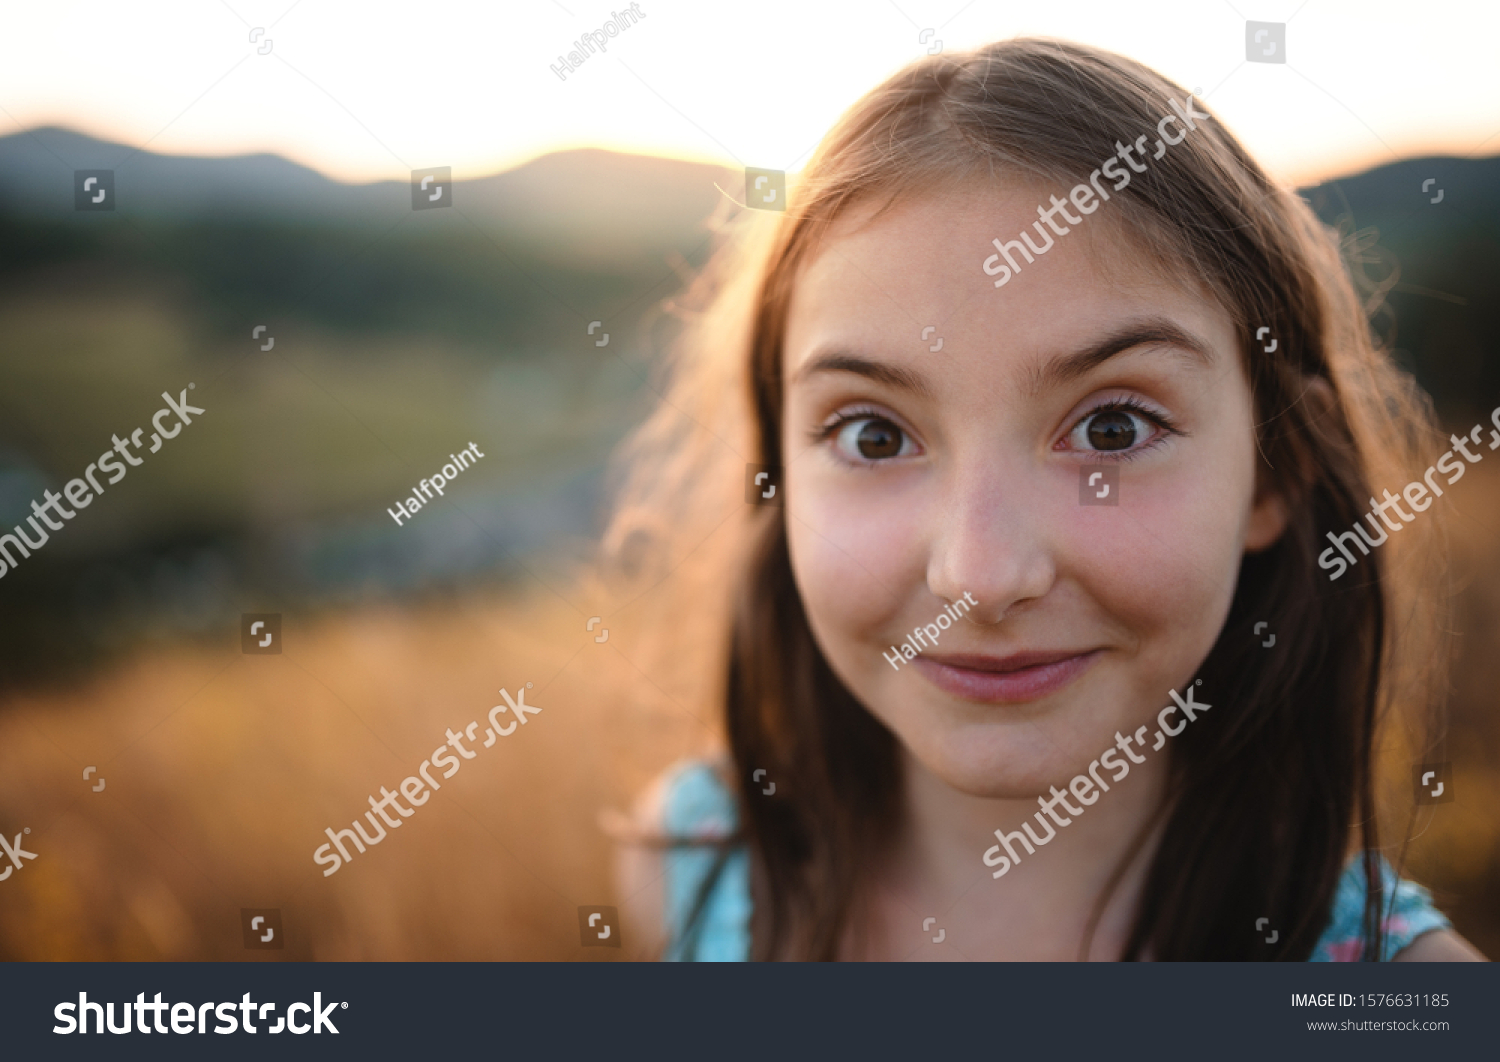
x,y
697,806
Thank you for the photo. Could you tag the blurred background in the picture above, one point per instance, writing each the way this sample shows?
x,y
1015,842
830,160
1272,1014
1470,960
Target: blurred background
x,y
272,187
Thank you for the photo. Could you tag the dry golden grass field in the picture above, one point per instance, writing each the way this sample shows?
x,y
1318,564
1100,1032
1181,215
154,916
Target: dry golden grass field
x,y
222,771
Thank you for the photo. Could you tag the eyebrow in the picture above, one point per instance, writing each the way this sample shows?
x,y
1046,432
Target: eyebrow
x,y
1150,331
890,375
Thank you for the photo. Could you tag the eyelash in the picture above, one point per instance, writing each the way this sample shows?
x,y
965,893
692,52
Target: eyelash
x,y
1134,405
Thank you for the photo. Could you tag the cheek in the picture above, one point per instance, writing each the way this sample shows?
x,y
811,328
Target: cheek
x,y
1166,561
855,553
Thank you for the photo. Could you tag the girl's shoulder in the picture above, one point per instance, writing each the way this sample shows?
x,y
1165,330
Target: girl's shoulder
x,y
696,802
1407,914
706,868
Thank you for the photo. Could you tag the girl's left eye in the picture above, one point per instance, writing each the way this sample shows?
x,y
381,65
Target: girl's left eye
x,y
871,438
1115,428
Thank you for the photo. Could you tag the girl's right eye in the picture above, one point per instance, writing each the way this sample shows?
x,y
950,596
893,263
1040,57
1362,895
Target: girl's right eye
x,y
869,438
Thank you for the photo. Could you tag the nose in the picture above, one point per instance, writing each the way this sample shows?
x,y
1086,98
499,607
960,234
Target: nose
x,y
991,542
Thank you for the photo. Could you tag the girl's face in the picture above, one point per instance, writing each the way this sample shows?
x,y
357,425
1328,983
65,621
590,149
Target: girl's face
x,y
973,474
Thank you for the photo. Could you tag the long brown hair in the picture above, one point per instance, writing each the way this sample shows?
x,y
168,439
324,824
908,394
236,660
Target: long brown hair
x,y
1268,799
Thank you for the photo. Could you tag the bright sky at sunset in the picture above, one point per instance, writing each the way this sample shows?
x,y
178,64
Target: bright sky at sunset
x,y
367,91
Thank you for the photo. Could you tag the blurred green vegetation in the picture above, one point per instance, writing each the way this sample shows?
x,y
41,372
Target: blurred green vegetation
x,y
399,337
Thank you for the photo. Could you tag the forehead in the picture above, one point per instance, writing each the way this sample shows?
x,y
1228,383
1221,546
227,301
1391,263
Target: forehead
x,y
881,277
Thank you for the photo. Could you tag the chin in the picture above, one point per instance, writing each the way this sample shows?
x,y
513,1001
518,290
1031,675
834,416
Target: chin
x,y
1012,773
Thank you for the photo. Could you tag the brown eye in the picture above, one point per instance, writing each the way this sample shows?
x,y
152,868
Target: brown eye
x,y
866,438
1111,429
878,439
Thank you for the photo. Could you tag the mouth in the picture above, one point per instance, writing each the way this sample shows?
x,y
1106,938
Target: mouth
x,y
1013,679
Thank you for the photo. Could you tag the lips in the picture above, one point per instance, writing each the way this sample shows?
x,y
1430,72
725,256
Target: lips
x,y
1013,679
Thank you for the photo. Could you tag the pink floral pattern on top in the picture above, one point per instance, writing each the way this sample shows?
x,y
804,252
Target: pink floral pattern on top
x,y
1408,914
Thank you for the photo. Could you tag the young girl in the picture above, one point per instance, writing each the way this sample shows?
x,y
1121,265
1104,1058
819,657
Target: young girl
x,y
1024,650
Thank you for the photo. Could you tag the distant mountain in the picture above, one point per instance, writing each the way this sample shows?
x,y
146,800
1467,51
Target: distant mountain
x,y
1466,190
264,236
590,193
